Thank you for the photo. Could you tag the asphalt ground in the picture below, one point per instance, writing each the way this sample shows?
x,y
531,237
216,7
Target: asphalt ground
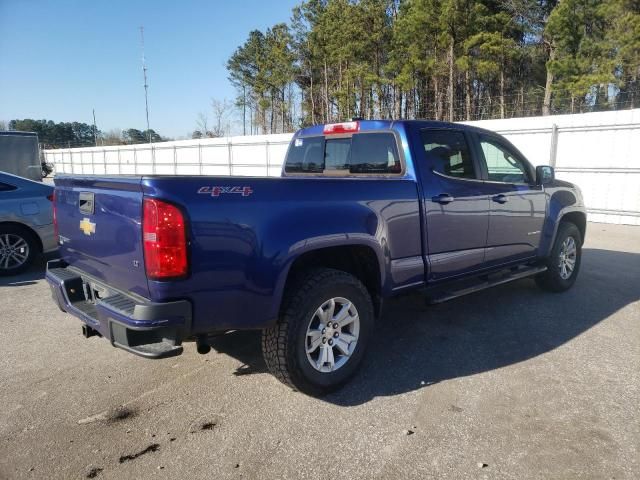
x,y
507,383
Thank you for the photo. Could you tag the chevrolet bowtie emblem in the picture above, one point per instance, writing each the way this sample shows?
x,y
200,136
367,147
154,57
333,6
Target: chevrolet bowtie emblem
x,y
87,226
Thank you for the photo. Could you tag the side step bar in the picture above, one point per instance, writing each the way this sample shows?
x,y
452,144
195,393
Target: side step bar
x,y
464,287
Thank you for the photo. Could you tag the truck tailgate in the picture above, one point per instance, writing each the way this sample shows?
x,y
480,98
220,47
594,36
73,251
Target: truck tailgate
x,y
100,227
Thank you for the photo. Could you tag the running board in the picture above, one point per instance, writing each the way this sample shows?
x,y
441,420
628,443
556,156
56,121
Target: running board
x,y
449,292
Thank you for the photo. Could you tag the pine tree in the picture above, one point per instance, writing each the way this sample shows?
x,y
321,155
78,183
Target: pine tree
x,y
442,59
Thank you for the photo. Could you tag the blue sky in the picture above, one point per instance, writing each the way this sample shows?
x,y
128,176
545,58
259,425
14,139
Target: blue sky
x,y
61,58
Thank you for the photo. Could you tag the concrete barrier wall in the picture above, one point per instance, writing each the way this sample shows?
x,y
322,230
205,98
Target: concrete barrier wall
x,y
598,151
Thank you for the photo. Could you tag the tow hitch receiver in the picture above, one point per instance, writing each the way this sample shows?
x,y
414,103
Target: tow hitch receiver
x,y
87,331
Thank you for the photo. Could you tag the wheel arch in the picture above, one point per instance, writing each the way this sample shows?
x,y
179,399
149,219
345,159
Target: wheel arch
x,y
360,259
576,216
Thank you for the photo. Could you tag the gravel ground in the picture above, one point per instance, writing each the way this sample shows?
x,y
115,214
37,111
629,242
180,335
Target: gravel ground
x,y
506,383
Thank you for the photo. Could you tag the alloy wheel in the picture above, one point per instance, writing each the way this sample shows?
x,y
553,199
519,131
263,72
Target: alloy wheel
x,y
332,334
567,257
14,251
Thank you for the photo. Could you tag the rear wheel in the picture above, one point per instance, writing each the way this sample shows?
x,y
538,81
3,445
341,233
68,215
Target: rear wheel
x,y
18,249
321,336
563,264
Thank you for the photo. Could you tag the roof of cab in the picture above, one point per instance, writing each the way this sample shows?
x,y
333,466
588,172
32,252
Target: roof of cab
x,y
371,125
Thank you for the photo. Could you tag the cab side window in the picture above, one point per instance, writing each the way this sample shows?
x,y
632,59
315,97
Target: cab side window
x,y
502,164
448,153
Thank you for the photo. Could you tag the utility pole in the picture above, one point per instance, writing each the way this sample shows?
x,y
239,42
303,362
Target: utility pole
x,y
95,129
146,86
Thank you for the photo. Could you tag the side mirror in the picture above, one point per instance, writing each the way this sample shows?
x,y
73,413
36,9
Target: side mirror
x,y
544,174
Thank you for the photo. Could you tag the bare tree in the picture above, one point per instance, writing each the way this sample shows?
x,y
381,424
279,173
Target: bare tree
x,y
202,124
3,125
221,111
112,137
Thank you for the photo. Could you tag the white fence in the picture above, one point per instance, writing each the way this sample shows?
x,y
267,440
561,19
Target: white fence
x,y
258,155
598,151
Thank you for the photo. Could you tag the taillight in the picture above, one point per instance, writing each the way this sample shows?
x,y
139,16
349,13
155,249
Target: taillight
x,y
345,127
164,240
52,199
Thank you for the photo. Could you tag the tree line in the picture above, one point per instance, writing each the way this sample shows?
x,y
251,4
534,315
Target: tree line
x,y
77,134
439,59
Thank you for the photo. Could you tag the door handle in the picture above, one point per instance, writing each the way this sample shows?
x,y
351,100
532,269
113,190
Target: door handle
x,y
500,198
443,198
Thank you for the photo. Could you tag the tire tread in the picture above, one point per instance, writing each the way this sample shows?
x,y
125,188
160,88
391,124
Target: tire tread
x,y
550,279
276,340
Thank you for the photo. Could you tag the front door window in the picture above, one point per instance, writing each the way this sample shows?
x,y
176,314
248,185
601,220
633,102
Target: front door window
x,y
503,165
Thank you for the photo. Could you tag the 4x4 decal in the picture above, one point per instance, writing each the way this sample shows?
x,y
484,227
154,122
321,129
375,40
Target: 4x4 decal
x,y
219,190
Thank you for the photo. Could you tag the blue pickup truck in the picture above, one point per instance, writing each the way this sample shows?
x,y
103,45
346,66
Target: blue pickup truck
x,y
364,210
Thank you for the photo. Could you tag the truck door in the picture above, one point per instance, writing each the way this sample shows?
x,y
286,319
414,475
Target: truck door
x,y
518,205
456,204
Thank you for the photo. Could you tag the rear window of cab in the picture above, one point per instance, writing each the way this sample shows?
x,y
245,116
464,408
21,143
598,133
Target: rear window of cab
x,y
358,154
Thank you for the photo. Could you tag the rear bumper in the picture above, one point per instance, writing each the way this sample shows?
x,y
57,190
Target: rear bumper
x,y
151,330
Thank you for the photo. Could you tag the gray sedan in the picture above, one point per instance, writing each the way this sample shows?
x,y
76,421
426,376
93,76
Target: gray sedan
x,y
26,222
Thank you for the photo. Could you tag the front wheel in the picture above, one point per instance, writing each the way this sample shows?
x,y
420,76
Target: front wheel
x,y
321,336
563,264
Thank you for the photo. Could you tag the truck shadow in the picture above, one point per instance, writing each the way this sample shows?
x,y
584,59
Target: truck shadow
x,y
416,346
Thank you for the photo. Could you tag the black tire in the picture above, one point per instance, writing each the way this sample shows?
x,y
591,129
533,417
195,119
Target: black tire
x,y
552,280
284,344
15,231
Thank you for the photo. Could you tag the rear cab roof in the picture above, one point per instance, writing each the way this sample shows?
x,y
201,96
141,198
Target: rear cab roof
x,y
365,125
381,125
